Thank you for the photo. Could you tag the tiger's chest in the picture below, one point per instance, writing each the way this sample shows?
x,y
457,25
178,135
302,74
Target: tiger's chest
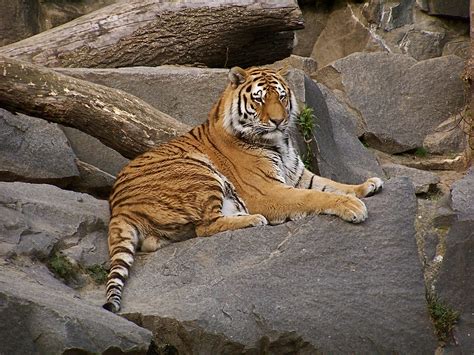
x,y
288,167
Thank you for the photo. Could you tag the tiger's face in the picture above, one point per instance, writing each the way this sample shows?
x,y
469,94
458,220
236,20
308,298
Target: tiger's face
x,y
260,107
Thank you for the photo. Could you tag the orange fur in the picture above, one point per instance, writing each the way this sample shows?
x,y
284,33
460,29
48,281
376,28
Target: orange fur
x,y
236,170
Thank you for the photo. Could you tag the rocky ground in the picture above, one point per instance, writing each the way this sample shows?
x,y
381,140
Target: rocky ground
x,y
387,99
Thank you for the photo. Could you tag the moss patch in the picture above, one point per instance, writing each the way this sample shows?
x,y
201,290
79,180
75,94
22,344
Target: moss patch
x,y
444,317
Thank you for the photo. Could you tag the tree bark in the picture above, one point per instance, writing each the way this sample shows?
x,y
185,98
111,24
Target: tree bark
x,y
151,33
120,120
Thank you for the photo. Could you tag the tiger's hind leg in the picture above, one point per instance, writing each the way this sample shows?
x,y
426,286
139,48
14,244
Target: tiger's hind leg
x,y
224,223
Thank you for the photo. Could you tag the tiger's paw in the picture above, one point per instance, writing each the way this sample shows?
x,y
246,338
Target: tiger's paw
x,y
370,187
351,209
258,220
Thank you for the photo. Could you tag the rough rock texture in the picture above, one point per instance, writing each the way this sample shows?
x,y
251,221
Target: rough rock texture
x,y
92,180
91,151
455,284
398,97
34,219
462,196
448,137
32,149
315,17
458,8
167,88
18,20
317,284
41,317
333,42
339,154
424,181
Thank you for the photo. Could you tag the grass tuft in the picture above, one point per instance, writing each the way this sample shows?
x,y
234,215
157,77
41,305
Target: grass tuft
x,y
98,273
306,123
62,267
444,317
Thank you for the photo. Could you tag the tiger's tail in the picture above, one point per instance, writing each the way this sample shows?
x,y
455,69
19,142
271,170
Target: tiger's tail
x,y
123,241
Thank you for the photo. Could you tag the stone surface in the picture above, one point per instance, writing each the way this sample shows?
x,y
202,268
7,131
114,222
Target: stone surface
x,y
389,15
455,283
36,218
448,137
39,316
184,93
93,181
315,17
462,196
18,20
306,64
339,154
318,284
398,97
424,181
91,151
457,8
344,34
34,150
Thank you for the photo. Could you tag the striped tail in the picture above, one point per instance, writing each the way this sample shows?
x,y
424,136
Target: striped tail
x,y
123,241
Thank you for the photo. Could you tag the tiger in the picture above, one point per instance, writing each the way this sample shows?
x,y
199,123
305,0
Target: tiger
x,y
238,169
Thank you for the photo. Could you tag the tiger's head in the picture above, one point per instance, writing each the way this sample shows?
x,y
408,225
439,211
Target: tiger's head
x,y
259,106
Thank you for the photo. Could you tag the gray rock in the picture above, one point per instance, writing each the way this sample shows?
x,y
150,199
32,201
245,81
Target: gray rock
x,y
40,317
18,20
455,283
34,219
389,15
448,137
424,181
318,284
315,17
400,99
462,196
460,46
457,8
344,34
421,44
93,181
339,154
167,88
91,151
306,64
34,150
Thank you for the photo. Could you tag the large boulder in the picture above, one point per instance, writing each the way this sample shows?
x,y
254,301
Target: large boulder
x,y
316,285
35,219
34,150
39,316
424,181
455,283
339,153
18,20
399,98
462,196
456,8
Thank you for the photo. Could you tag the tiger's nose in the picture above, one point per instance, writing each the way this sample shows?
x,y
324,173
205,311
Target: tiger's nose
x,y
276,121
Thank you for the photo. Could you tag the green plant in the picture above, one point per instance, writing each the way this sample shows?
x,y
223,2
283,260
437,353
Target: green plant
x,y
98,273
62,267
305,122
444,317
421,152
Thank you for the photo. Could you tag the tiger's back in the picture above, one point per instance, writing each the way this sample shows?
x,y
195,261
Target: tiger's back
x,y
238,169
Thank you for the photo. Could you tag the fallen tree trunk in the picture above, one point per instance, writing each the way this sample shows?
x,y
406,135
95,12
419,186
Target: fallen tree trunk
x,y
151,33
118,119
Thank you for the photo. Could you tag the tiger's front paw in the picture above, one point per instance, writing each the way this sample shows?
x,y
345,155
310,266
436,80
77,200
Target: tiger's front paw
x,y
258,220
351,209
370,187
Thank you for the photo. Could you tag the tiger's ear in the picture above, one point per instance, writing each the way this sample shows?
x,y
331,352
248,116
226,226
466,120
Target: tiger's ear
x,y
237,76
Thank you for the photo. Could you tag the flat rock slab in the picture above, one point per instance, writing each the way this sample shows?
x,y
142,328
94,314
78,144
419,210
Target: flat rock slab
x,y
462,196
455,283
424,181
318,284
35,218
339,153
399,98
34,150
37,317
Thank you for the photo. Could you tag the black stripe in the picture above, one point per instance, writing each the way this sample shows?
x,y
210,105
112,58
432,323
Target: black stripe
x,y
299,179
311,183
